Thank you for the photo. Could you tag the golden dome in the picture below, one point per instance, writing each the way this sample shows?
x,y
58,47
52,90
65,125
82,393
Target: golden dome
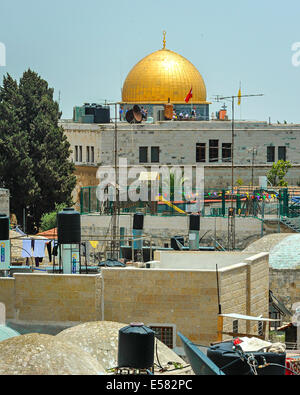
x,y
163,75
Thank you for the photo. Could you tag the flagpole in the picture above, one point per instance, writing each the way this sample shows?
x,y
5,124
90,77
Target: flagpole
x,y
231,230
240,102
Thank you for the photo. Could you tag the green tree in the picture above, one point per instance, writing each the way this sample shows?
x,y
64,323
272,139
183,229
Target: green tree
x,y
16,167
276,176
49,220
33,116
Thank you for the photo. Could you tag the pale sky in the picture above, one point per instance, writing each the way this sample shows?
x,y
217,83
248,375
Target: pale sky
x,y
85,49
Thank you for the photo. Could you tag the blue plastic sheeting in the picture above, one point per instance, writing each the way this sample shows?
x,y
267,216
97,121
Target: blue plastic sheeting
x,y
111,263
7,333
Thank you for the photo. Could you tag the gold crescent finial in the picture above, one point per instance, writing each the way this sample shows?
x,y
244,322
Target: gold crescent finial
x,y
164,40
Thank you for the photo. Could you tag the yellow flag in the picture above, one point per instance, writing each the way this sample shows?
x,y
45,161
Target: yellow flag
x,y
94,244
240,96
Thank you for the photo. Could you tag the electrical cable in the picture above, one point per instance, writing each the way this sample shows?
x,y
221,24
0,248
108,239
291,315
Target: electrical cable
x,y
183,367
280,366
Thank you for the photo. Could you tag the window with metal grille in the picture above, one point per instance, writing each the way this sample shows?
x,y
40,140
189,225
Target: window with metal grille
x,y
260,328
155,154
270,154
164,334
282,153
213,150
226,152
200,152
143,157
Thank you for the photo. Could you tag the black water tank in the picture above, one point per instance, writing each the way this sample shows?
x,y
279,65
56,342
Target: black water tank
x,y
102,114
4,227
195,222
174,244
68,226
136,347
138,221
223,355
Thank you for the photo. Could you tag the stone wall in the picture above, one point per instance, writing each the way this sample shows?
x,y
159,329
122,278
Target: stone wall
x,y
248,285
52,298
7,295
285,284
186,299
177,142
85,177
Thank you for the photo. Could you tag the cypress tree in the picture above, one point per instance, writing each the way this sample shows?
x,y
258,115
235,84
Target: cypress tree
x,y
34,117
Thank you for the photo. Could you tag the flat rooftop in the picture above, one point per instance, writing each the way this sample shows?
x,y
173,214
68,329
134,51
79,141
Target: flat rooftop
x,y
180,125
203,261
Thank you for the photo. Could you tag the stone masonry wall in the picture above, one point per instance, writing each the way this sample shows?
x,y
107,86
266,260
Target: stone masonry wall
x,y
52,298
186,298
248,284
7,295
285,284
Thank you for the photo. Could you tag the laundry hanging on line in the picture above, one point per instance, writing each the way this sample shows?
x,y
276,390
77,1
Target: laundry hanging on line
x,y
39,248
26,249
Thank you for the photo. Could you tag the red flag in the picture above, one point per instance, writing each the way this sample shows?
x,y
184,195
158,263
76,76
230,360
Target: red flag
x,y
189,96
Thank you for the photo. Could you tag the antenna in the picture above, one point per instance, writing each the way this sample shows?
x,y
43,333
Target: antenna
x,y
231,225
218,290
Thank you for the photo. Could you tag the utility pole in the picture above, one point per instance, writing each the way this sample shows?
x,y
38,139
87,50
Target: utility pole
x,y
116,206
231,218
253,150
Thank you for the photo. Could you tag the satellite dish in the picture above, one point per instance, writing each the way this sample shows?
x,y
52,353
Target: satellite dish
x,y
134,115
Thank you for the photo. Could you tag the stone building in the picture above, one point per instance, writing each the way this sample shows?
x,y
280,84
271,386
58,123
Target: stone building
x,y
164,79
188,144
174,297
284,262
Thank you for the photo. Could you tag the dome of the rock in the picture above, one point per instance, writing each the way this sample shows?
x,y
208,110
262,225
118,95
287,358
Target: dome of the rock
x,y
164,76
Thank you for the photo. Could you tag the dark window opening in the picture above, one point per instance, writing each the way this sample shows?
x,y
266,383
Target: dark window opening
x,y
200,152
155,154
80,153
143,155
87,154
271,154
226,152
282,153
92,155
76,153
213,150
164,334
235,326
